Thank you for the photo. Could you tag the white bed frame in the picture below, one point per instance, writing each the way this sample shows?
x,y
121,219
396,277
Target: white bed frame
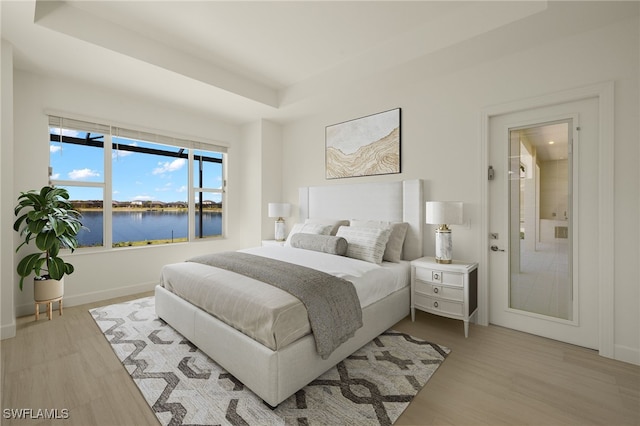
x,y
276,375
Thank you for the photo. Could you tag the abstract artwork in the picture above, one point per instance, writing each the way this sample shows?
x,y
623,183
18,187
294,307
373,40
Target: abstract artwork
x,y
364,147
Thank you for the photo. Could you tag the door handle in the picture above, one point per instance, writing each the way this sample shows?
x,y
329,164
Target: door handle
x,y
495,248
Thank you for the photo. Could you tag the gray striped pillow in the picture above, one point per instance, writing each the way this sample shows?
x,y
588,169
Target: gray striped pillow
x,y
366,244
307,228
324,243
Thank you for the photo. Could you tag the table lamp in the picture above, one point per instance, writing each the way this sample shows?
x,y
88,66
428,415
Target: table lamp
x,y
279,211
443,213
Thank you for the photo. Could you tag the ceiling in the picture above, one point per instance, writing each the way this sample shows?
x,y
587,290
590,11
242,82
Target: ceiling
x,y
241,61
551,141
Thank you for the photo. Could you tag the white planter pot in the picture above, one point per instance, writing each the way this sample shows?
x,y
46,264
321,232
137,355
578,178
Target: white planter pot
x,y
47,289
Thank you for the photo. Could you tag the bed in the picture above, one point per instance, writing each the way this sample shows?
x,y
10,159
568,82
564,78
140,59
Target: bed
x,y
276,370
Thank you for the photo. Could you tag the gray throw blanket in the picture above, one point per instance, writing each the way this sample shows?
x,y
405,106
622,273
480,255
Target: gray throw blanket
x,y
332,303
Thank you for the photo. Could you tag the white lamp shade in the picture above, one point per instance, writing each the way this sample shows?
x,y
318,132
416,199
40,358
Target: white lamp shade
x,y
279,209
444,212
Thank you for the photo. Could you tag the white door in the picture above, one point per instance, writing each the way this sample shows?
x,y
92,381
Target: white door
x,y
543,221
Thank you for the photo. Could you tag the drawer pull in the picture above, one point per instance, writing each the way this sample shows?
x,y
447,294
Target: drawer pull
x,y
435,290
436,276
435,304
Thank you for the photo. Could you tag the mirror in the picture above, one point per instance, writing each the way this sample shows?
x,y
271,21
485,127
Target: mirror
x,y
540,204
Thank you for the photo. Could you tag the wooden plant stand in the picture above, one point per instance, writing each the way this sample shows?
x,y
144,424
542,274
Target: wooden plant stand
x,y
49,307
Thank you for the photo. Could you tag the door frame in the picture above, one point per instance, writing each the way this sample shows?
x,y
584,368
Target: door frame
x,y
604,92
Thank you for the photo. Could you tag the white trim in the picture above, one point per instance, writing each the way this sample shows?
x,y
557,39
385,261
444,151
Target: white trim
x,y
606,212
96,296
107,193
604,92
627,354
483,257
191,199
8,331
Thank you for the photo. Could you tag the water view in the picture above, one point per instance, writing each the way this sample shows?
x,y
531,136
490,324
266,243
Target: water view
x,y
148,227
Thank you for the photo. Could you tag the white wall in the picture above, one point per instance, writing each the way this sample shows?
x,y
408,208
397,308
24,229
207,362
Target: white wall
x,y
271,176
7,314
107,273
261,179
441,136
249,213
554,189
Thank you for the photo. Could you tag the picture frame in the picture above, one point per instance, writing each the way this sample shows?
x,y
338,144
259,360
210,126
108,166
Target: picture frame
x,y
365,146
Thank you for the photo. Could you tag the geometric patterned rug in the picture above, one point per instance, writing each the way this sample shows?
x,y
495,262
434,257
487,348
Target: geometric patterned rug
x,y
184,386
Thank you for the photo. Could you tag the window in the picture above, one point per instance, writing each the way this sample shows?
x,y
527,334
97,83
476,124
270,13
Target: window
x,y
208,189
150,196
136,188
76,160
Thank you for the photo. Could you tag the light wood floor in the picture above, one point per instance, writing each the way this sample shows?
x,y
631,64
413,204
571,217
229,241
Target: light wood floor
x,y
496,376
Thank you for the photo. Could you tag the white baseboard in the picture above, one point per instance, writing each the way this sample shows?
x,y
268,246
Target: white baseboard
x,y
8,331
627,354
97,296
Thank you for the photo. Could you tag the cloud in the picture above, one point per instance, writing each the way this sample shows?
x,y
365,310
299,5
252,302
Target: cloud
x,y
143,198
118,153
183,188
68,132
167,166
166,187
82,174
55,176
54,148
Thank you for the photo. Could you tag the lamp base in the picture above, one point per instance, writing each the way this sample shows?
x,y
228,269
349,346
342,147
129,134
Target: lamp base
x,y
280,230
444,246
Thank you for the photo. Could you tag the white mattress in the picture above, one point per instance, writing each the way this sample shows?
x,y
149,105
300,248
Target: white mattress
x,y
269,315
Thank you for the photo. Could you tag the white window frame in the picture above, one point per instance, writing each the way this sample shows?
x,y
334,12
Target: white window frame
x,y
108,130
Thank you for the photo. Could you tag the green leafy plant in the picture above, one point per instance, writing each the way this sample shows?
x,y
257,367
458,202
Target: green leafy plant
x,y
52,222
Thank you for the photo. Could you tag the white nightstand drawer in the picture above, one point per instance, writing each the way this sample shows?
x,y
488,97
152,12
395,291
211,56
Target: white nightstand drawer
x,y
449,290
441,277
428,289
439,305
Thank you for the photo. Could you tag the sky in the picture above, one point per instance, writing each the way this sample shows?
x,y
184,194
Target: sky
x,y
135,176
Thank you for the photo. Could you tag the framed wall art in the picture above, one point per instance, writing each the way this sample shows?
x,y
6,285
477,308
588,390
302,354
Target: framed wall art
x,y
364,146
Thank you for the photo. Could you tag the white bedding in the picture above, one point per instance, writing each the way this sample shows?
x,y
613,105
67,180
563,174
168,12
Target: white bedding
x,y
372,282
265,313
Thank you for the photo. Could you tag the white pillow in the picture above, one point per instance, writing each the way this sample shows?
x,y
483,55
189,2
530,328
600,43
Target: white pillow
x,y
393,250
335,223
307,228
366,244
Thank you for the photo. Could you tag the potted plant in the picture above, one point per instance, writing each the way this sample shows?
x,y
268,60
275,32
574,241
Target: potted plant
x,y
52,223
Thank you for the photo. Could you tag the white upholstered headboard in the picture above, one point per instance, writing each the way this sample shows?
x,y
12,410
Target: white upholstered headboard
x,y
397,201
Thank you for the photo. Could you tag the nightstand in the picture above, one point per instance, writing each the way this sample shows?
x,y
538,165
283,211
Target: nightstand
x,y
272,243
446,289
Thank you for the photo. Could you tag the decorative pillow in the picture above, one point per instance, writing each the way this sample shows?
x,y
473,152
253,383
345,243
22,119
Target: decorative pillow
x,y
324,243
365,243
393,250
335,224
307,228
